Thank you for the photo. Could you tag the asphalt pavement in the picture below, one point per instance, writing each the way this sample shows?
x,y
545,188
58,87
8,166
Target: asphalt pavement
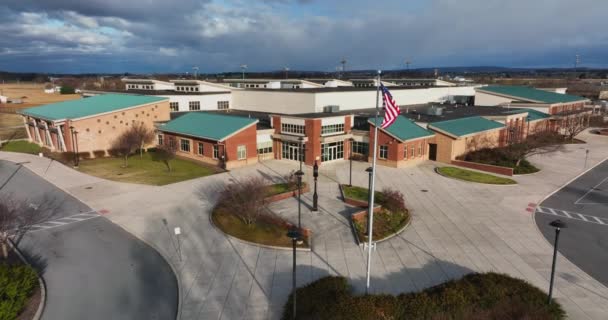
x,y
583,206
92,268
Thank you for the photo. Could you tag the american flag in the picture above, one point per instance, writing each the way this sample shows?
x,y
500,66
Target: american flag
x,y
391,109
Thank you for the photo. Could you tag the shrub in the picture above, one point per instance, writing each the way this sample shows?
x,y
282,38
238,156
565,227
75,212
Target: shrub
x,y
359,157
245,199
67,90
99,153
291,180
17,283
84,155
392,200
475,296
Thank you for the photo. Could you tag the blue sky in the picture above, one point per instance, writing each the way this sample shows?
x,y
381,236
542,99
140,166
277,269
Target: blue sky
x,y
147,36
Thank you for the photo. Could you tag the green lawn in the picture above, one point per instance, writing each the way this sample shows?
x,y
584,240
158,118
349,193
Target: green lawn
x,y
279,188
474,176
146,170
264,231
358,193
21,146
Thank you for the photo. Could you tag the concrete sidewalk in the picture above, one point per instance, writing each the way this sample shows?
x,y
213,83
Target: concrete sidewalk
x,y
457,227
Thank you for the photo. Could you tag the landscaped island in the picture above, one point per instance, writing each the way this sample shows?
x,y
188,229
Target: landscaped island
x,y
241,212
475,296
18,286
390,214
473,176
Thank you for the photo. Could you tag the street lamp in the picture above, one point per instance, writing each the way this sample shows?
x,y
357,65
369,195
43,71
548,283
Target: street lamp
x,y
350,158
301,151
586,156
299,175
558,225
75,146
295,236
243,67
370,171
315,196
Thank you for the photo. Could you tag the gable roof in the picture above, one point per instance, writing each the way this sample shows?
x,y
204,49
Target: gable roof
x,y
531,94
403,129
86,107
533,115
465,126
212,126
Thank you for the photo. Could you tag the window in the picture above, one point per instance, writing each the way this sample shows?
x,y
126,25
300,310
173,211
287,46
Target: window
x,y
333,128
216,152
241,152
360,147
419,150
412,151
332,151
174,106
405,152
200,148
222,105
184,145
172,142
265,150
383,152
194,105
292,128
160,140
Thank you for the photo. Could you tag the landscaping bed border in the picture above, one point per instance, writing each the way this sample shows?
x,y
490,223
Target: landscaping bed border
x,y
41,284
480,183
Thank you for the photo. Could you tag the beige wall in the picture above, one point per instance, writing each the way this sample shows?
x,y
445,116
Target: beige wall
x,y
99,132
273,101
449,148
485,99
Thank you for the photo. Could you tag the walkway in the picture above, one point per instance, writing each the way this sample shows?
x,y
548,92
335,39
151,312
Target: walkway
x,y
457,227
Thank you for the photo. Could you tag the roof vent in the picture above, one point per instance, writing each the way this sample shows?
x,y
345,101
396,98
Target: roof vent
x,y
331,109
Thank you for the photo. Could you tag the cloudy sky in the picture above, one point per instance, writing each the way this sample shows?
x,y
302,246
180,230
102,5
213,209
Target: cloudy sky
x,y
74,36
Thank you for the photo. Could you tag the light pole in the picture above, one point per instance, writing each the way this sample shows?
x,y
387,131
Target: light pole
x,y
350,159
586,156
299,175
243,67
19,165
558,225
315,196
301,151
295,236
369,195
75,146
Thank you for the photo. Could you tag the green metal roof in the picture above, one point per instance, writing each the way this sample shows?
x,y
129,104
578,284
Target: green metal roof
x,y
465,126
404,129
86,107
206,125
533,115
532,94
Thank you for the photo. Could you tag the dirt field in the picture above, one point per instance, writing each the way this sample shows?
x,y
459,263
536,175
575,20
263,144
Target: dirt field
x,y
32,94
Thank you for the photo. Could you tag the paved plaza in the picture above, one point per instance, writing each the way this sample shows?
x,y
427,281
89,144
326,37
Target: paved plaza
x,y
457,227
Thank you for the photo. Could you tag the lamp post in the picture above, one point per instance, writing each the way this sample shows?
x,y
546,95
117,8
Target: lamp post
x,y
586,156
301,151
315,196
369,193
558,225
350,159
75,145
299,175
295,236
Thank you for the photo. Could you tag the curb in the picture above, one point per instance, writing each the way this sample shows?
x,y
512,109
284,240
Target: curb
x,y
479,183
41,283
179,284
266,246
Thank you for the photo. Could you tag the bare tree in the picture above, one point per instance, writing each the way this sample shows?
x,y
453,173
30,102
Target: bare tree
x,y
245,199
481,142
574,125
166,152
539,143
598,121
144,134
16,218
126,143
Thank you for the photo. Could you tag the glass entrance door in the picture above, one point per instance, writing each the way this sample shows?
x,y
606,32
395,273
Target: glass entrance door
x,y
291,151
332,151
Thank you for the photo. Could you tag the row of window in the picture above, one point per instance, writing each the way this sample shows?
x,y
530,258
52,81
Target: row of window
x,y
136,86
184,146
383,154
265,150
188,88
360,147
196,105
292,128
332,128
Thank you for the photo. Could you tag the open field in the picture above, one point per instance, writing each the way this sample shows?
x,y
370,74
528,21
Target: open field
x,y
11,127
32,94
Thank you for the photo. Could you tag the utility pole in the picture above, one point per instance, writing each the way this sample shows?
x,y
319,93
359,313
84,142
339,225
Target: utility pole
x,y
286,69
407,64
343,62
195,71
243,68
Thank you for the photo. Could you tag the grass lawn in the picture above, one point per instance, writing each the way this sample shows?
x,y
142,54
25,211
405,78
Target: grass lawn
x,y
474,176
279,188
11,126
358,193
386,223
146,170
263,231
21,146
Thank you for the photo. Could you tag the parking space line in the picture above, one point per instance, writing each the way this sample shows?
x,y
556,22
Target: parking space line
x,y
582,216
589,191
598,220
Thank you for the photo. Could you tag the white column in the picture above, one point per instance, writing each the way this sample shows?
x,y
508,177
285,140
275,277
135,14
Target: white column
x,y
61,140
48,135
27,129
37,132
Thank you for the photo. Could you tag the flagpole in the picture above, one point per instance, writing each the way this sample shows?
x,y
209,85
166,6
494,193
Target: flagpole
x,y
370,212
